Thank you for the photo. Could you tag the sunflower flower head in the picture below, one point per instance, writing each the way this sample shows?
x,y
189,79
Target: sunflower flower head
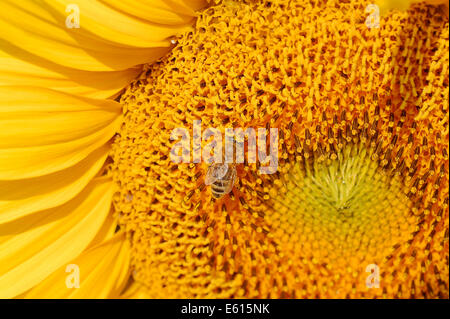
x,y
92,205
362,181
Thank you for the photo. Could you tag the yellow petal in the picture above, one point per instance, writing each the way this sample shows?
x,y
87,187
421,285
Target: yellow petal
x,y
117,27
386,5
103,273
26,196
18,67
107,231
32,247
32,116
43,131
135,291
170,12
107,39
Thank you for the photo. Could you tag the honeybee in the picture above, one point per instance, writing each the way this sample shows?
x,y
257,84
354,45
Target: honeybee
x,y
221,177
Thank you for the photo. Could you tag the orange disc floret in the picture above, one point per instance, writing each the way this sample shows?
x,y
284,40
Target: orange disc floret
x,y
362,181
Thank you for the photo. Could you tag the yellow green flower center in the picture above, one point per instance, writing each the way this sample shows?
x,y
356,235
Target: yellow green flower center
x,y
342,216
353,204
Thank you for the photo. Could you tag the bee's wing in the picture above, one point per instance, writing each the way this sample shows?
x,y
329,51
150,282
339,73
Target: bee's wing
x,y
215,172
211,175
209,178
233,175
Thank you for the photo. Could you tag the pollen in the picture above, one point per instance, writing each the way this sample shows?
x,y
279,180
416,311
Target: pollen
x,y
362,181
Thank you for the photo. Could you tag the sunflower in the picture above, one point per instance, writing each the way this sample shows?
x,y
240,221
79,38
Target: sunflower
x,y
87,181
